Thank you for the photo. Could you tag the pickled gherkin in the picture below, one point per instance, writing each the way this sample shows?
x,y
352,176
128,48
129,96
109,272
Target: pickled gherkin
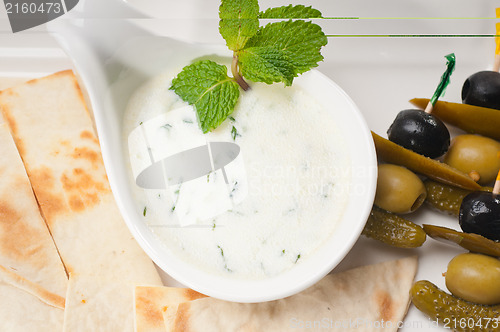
x,y
393,230
453,312
446,198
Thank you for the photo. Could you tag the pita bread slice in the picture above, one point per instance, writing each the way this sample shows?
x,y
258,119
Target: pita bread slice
x,y
356,300
7,82
26,306
26,246
54,135
151,302
97,304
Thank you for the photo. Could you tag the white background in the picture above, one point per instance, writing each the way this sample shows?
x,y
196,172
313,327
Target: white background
x,y
380,75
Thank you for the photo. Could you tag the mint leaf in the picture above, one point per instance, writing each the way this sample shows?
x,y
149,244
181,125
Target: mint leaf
x,y
238,22
300,40
266,64
277,52
206,85
290,11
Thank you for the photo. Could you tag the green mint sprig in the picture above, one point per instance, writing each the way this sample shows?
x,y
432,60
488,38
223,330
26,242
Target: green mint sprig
x,y
238,22
206,85
291,11
276,52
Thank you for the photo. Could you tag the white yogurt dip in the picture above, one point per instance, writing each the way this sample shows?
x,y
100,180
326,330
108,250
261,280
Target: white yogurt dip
x,y
297,172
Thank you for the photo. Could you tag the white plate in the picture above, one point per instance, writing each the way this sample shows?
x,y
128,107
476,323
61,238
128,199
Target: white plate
x,y
380,74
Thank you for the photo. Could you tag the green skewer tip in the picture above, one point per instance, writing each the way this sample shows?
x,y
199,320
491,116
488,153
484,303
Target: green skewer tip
x,y
445,79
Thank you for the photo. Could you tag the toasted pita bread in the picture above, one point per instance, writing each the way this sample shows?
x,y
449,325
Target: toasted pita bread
x,y
27,306
26,246
7,82
54,135
151,302
97,304
356,300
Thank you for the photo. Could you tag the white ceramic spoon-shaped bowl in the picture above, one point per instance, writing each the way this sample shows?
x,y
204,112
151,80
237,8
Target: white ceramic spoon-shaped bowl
x,y
113,57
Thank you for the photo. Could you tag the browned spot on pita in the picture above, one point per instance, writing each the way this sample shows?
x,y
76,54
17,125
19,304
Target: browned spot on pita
x,y
182,317
53,299
65,143
83,191
33,81
50,203
385,305
16,238
77,89
9,92
82,182
88,135
63,73
86,153
51,77
92,198
191,295
13,128
76,204
80,94
44,295
69,268
59,73
55,75
146,301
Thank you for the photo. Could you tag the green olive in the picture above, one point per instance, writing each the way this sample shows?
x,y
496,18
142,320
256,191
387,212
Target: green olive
x,y
474,278
475,155
399,190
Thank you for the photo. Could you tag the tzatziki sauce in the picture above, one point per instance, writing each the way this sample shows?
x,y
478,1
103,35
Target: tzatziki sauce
x,y
291,181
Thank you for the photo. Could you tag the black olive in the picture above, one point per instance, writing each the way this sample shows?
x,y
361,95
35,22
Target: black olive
x,y
421,132
482,89
480,214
